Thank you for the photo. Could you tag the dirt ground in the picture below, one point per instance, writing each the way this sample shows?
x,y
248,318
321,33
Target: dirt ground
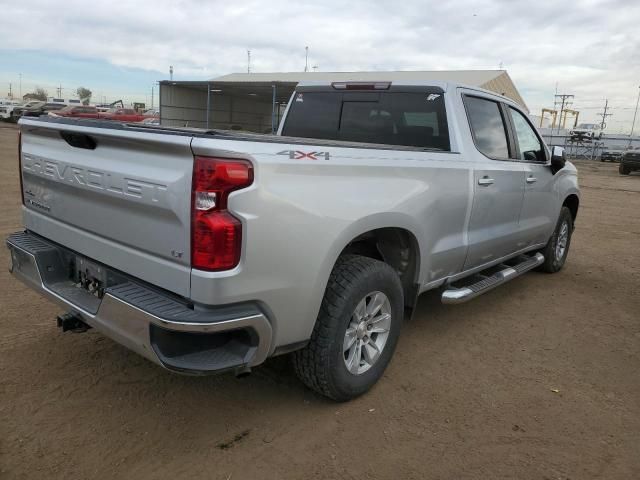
x,y
539,379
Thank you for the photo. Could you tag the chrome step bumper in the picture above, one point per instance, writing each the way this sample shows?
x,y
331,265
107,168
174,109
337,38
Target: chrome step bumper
x,y
154,324
466,293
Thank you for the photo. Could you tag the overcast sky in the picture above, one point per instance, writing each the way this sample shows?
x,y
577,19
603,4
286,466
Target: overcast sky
x,y
590,48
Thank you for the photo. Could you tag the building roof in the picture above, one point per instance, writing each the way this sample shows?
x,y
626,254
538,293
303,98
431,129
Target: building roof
x,y
497,81
470,77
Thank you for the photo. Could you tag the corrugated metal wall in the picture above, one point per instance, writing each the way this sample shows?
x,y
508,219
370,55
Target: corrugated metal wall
x,y
187,106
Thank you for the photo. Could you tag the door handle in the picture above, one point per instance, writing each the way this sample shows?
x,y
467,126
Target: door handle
x,y
532,179
485,181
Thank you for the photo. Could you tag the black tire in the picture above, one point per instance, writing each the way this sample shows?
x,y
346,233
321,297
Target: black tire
x,y
623,170
321,365
553,261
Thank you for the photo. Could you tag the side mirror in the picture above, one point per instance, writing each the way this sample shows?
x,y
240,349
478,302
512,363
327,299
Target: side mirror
x,y
558,158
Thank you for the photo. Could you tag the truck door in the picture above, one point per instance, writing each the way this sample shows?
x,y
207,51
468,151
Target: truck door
x,y
540,208
498,183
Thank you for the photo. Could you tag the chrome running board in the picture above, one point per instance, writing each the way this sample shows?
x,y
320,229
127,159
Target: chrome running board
x,y
453,295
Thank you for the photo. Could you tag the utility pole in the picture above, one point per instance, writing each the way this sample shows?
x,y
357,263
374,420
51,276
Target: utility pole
x,y
171,72
604,115
10,93
248,61
152,98
563,100
20,76
633,124
306,59
555,109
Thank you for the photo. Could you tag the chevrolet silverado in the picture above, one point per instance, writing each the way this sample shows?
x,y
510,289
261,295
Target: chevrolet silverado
x,y
209,250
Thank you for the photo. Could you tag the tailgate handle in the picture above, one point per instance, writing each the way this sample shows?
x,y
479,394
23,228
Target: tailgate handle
x,y
79,140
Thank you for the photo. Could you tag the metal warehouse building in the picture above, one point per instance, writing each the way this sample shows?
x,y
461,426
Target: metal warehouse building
x,y
255,101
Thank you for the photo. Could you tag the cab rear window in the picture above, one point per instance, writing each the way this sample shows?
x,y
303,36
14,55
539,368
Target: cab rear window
x,y
416,119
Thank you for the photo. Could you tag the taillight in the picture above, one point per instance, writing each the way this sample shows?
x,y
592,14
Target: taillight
x,y
216,235
20,165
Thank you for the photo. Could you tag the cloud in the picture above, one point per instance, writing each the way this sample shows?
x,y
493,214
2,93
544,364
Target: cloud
x,y
590,47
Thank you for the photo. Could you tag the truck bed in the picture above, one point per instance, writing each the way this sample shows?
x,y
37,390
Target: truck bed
x,y
219,134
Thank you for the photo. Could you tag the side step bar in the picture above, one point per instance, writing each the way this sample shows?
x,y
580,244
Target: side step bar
x,y
464,294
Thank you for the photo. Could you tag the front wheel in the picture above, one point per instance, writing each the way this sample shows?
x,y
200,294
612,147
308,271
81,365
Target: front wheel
x,y
356,331
556,251
623,170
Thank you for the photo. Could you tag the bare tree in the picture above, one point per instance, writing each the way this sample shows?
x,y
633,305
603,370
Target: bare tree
x,y
37,94
84,94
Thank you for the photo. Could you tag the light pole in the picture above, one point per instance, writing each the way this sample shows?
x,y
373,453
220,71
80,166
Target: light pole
x,y
633,123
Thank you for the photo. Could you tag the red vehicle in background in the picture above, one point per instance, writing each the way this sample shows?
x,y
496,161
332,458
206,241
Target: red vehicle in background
x,y
77,111
123,115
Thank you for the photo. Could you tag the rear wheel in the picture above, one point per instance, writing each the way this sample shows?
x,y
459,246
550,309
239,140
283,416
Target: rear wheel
x,y
623,170
356,331
557,249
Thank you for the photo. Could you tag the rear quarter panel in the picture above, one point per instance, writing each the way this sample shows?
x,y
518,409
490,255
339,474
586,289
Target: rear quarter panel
x,y
301,213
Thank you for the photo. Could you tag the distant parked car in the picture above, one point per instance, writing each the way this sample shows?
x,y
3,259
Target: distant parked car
x,y
151,121
78,111
630,161
586,132
123,115
7,107
42,108
611,155
32,104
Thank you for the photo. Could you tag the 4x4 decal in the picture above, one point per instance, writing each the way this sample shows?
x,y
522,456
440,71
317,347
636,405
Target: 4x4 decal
x,y
299,155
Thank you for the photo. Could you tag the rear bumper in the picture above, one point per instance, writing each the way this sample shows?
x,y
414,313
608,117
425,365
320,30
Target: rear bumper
x,y
153,323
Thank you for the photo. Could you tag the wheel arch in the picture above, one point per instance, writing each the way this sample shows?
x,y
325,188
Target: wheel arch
x,y
391,238
572,202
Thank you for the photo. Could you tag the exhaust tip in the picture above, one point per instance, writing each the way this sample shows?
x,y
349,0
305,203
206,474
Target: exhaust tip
x,y
242,372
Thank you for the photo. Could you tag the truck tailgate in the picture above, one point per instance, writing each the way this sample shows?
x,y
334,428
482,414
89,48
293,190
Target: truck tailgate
x,y
125,203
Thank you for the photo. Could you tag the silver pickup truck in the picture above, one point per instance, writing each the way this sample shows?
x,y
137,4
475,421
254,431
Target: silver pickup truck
x,y
209,250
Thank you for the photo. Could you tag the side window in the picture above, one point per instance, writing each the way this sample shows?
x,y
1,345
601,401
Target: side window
x,y
529,144
487,126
